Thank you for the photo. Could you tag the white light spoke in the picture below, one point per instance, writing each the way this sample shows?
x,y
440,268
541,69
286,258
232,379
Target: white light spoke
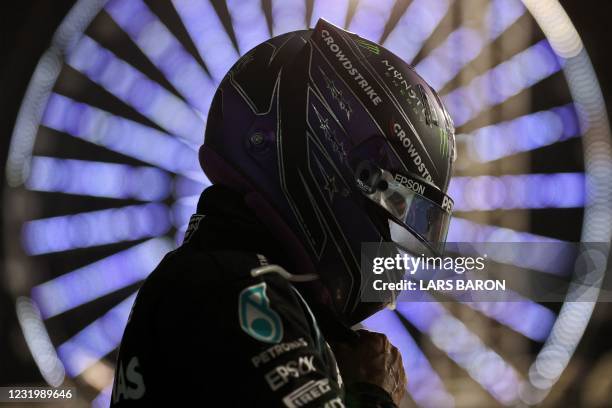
x,y
136,90
249,23
163,50
209,36
415,26
288,15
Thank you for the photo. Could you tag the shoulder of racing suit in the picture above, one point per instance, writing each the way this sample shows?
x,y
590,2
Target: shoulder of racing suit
x,y
203,329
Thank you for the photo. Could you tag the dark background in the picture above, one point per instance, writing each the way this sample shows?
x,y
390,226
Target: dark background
x,y
27,27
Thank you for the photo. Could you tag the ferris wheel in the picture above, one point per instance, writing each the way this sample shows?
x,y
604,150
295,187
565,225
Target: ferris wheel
x,y
103,175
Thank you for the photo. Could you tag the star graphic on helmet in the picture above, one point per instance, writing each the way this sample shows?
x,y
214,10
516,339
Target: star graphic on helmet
x,y
330,186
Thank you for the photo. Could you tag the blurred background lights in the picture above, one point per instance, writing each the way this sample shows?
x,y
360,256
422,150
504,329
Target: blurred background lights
x,y
500,15
522,134
556,26
503,81
249,23
213,44
39,343
524,316
100,278
43,78
102,128
465,348
165,51
370,18
520,191
112,180
136,90
95,228
182,210
96,340
416,24
288,15
443,63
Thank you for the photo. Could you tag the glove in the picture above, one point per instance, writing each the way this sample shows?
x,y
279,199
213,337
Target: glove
x,y
371,359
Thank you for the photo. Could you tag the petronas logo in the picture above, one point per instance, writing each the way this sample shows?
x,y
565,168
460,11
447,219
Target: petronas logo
x,y
256,317
373,48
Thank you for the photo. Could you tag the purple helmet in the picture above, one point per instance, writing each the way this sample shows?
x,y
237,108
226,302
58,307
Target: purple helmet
x,y
334,141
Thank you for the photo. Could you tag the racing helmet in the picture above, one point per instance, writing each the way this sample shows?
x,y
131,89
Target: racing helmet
x,y
334,141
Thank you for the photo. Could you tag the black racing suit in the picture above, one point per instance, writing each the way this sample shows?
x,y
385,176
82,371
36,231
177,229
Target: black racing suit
x,y
204,332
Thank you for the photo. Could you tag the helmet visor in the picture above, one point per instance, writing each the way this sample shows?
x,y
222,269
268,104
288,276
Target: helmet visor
x,y
417,209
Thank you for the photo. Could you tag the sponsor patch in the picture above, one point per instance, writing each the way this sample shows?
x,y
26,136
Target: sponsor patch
x,y
307,393
194,224
410,184
335,403
278,349
349,68
129,383
412,151
256,317
282,374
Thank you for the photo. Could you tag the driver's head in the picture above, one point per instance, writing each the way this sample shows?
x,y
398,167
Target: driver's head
x,y
334,141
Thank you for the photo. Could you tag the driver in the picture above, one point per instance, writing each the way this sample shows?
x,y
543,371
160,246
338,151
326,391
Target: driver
x,y
316,141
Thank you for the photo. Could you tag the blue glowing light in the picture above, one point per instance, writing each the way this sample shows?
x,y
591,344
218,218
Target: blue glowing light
x,y
519,191
163,50
370,18
100,278
288,15
104,129
465,43
522,134
184,186
103,400
529,318
249,23
451,336
209,36
443,63
98,179
501,14
552,259
96,340
94,228
462,230
182,209
415,26
502,82
135,89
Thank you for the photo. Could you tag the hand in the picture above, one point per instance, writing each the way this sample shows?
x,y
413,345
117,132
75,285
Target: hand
x,y
372,359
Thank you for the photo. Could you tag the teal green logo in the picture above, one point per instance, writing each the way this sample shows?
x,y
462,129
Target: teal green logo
x,y
257,319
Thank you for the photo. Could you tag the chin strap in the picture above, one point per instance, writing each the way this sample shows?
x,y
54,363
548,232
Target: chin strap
x,y
262,270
